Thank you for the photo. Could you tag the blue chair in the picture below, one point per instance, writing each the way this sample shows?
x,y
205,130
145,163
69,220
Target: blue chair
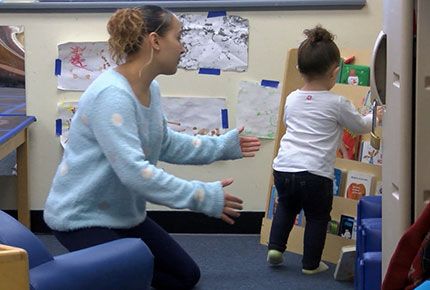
x,y
120,264
369,207
371,235
424,286
370,271
368,243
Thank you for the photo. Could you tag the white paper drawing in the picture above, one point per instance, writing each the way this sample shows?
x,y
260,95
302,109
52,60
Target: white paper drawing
x,y
215,42
66,111
82,63
194,116
257,109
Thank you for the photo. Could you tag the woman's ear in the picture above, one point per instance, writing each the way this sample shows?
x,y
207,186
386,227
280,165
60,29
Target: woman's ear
x,y
153,40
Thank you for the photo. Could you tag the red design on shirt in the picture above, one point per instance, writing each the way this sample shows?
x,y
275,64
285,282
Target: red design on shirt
x,y
308,97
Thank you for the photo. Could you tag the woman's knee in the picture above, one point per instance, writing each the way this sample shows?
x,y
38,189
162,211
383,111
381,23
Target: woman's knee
x,y
192,277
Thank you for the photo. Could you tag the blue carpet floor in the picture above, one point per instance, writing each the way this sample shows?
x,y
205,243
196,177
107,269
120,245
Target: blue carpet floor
x,y
238,262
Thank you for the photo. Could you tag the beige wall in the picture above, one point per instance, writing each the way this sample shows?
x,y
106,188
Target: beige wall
x,y
271,33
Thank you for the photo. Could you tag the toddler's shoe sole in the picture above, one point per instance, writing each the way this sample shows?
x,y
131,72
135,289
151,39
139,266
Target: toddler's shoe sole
x,y
321,268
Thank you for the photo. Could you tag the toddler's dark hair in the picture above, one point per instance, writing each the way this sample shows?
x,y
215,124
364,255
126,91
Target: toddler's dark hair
x,y
318,53
128,26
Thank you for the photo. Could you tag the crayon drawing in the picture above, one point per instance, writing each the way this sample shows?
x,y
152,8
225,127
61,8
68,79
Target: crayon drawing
x,y
66,111
82,63
257,109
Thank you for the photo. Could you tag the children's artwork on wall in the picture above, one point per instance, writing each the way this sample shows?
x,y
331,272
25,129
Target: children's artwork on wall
x,y
82,63
194,116
257,109
215,42
66,110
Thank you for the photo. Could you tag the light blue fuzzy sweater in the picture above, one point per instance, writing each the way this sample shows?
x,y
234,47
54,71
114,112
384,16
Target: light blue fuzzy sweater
x,y
108,170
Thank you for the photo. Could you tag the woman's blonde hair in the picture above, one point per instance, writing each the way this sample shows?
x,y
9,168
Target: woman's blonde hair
x,y
127,27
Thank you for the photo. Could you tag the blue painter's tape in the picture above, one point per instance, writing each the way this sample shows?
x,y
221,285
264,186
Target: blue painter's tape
x,y
224,118
267,83
58,67
210,71
216,14
58,127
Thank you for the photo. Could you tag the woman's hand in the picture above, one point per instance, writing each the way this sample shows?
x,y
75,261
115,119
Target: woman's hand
x,y
248,144
231,204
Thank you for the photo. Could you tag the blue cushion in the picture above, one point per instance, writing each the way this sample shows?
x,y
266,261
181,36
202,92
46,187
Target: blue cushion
x,y
424,286
120,264
369,207
13,233
370,271
371,238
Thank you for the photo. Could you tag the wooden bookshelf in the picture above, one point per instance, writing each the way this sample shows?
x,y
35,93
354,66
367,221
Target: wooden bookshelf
x,y
341,205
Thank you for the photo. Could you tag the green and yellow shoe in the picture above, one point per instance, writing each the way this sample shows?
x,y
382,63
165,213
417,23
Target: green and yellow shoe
x,y
275,257
321,268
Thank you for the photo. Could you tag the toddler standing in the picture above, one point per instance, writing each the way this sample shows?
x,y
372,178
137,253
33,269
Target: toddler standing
x,y
303,169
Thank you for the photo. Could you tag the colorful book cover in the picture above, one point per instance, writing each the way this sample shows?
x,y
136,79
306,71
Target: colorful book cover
x,y
358,184
272,203
339,73
378,189
337,181
354,230
333,227
299,219
355,75
366,104
368,154
348,147
345,266
346,226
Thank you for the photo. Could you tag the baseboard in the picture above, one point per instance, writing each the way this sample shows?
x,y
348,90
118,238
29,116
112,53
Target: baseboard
x,y
249,222
188,222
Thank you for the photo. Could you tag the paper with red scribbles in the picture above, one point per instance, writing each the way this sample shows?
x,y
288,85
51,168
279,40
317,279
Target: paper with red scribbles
x,y
82,63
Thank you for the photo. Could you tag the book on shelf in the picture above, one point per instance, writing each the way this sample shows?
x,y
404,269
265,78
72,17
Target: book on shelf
x,y
348,147
346,226
273,202
353,74
333,227
370,155
337,181
378,187
346,264
358,184
339,73
366,105
299,219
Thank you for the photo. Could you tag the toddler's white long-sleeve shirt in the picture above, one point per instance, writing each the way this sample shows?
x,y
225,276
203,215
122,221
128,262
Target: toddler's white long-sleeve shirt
x,y
314,123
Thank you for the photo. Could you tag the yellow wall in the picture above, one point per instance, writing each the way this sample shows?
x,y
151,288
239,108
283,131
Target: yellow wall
x,y
271,33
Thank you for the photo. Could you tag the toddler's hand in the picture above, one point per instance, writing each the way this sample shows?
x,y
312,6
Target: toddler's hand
x,y
379,113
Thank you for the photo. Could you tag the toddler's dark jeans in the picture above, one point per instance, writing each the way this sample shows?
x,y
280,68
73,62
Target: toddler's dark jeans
x,y
313,194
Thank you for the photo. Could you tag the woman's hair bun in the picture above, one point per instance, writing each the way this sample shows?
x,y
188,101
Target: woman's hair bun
x,y
125,28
